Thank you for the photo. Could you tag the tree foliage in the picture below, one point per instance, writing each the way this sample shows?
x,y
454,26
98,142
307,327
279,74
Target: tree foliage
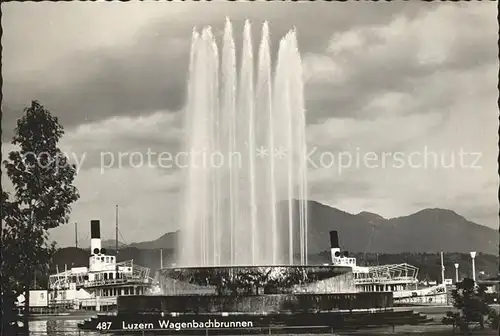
x,y
473,308
43,193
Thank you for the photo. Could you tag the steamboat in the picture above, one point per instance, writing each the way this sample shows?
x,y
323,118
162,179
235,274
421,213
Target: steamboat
x,y
400,279
93,288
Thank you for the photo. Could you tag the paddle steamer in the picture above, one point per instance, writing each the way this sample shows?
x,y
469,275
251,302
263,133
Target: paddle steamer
x,y
97,286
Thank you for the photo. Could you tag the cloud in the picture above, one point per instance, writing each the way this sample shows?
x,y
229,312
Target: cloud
x,y
389,131
147,200
147,195
379,78
407,88
114,142
135,61
407,56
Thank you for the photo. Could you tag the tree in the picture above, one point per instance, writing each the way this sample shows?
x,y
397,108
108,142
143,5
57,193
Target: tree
x,y
43,193
473,307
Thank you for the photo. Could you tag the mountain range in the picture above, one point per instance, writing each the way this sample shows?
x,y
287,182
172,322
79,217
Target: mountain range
x,y
429,230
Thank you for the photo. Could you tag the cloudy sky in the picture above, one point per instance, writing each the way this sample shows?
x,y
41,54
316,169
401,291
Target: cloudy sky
x,y
379,78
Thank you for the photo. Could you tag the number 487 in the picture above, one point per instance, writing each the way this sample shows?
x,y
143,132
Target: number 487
x,y
103,325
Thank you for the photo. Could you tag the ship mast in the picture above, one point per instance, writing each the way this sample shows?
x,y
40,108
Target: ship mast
x,y
116,231
442,268
161,258
76,234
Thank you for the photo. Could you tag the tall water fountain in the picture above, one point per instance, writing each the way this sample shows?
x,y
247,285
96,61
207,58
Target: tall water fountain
x,y
246,141
242,221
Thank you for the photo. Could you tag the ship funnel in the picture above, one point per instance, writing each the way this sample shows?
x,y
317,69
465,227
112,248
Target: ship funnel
x,y
334,247
334,239
95,236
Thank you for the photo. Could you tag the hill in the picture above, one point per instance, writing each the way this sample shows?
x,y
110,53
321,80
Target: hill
x,y
429,230
168,240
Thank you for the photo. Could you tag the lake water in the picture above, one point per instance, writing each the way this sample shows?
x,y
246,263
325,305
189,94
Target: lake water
x,y
70,328
55,327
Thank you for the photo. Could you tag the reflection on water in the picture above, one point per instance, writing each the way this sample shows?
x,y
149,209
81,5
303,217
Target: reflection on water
x,y
58,328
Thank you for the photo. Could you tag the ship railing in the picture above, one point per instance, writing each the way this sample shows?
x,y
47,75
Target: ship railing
x,y
119,281
393,271
344,261
386,279
63,280
105,282
375,279
431,291
79,284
